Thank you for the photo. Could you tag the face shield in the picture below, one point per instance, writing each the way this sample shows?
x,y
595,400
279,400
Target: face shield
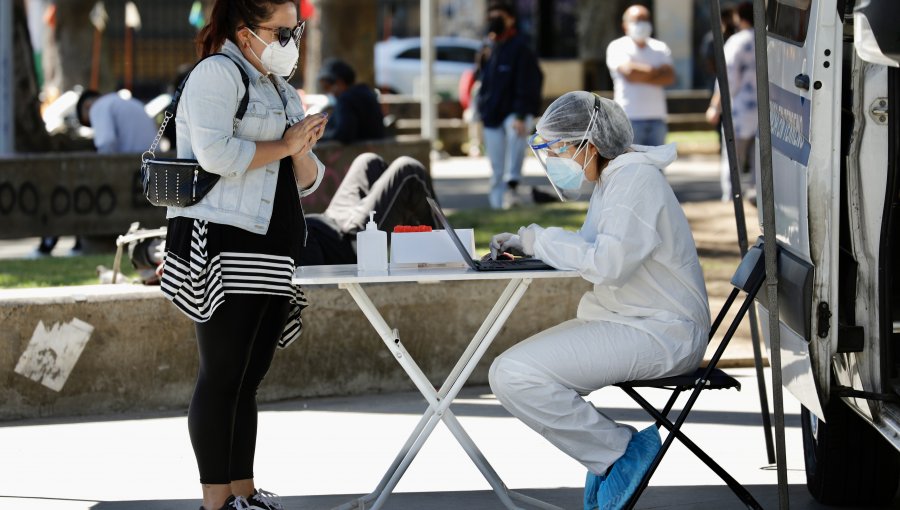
x,y
557,158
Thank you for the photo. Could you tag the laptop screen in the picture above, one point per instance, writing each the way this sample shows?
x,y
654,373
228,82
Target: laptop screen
x,y
450,232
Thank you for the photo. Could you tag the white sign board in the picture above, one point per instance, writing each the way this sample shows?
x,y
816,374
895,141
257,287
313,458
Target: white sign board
x,y
52,353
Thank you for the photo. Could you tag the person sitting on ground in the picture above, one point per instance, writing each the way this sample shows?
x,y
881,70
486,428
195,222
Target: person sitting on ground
x,y
396,193
356,114
120,126
647,315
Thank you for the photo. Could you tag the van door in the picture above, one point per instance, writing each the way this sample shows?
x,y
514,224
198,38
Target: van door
x,y
805,59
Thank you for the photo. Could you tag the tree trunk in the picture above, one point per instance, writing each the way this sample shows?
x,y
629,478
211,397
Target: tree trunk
x,y
30,133
68,50
344,29
598,25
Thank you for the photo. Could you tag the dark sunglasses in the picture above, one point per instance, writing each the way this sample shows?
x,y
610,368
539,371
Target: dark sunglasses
x,y
284,34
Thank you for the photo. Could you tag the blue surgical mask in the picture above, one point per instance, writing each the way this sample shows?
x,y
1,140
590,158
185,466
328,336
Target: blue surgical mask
x,y
565,173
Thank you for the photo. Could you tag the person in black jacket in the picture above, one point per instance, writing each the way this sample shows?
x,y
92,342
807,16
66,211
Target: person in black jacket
x,y
357,114
509,99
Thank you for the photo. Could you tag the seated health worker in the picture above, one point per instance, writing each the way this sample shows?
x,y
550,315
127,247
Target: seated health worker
x,y
647,315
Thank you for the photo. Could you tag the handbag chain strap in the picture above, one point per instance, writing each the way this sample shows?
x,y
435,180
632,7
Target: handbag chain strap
x,y
162,128
170,110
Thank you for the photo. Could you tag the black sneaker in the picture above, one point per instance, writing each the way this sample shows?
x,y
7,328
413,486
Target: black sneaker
x,y
542,197
233,503
264,500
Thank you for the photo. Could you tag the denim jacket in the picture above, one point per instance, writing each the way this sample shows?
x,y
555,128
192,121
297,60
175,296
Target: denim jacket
x,y
243,197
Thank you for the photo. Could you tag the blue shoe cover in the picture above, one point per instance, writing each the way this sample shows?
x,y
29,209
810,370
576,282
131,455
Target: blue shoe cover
x,y
625,475
591,487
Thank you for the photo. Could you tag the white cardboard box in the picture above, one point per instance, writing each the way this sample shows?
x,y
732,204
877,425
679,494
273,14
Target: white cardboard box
x,y
410,249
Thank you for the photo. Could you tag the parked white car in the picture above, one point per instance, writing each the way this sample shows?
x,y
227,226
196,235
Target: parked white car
x,y
398,67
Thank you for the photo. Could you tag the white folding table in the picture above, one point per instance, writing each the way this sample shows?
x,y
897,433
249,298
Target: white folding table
x,y
346,277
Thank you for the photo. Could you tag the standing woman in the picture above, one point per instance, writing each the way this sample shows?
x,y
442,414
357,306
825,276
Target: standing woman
x,y
647,315
231,256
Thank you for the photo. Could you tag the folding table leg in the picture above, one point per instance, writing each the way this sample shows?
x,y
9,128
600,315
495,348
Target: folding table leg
x,y
391,339
504,308
486,325
487,470
439,402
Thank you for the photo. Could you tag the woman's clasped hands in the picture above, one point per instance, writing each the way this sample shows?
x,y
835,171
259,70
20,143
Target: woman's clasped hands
x,y
301,136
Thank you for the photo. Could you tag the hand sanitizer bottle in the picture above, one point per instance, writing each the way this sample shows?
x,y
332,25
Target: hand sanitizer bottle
x,y
371,248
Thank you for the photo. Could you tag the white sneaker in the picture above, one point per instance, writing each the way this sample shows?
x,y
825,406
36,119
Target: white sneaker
x,y
511,199
497,201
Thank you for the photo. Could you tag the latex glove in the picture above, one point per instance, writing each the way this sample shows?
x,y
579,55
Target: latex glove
x,y
526,237
505,242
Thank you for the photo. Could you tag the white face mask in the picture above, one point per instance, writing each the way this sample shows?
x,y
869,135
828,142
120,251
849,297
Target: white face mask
x,y
278,59
565,173
639,30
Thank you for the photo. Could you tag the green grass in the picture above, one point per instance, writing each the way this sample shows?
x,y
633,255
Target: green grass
x,y
57,271
82,269
487,223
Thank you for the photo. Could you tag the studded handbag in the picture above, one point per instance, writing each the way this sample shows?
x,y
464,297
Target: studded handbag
x,y
181,182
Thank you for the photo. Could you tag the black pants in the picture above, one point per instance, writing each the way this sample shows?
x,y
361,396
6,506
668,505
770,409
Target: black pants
x,y
396,193
236,349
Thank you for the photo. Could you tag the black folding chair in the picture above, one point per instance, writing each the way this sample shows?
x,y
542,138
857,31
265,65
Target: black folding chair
x,y
748,278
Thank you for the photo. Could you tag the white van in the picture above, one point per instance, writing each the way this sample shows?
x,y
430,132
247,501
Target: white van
x,y
834,80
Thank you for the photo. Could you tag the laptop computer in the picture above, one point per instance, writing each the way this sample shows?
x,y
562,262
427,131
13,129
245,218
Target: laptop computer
x,y
521,264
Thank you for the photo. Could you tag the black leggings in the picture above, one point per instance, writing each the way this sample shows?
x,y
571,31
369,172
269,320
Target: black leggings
x,y
236,347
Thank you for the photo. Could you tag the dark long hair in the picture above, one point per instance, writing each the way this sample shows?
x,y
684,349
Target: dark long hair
x,y
227,16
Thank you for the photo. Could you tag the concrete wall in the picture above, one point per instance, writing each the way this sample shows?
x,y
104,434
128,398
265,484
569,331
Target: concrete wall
x,y
88,193
142,355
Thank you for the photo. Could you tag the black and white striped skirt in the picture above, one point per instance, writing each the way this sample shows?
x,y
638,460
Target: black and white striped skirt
x,y
198,275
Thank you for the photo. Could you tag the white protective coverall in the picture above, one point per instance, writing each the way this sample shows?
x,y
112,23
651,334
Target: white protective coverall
x,y
646,317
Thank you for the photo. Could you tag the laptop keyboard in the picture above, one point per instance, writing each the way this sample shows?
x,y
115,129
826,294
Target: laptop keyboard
x,y
496,263
510,263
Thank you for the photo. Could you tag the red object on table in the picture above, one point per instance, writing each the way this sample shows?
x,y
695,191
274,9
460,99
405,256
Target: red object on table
x,y
399,229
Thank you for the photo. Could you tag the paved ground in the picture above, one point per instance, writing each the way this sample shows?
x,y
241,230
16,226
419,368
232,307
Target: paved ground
x,y
319,452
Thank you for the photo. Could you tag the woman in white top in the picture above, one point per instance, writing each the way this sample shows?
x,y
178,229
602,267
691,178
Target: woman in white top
x,y
647,315
231,256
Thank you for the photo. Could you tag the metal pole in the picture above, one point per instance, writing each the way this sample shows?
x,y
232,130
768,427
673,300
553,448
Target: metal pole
x,y
7,111
761,385
768,203
427,18
740,218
